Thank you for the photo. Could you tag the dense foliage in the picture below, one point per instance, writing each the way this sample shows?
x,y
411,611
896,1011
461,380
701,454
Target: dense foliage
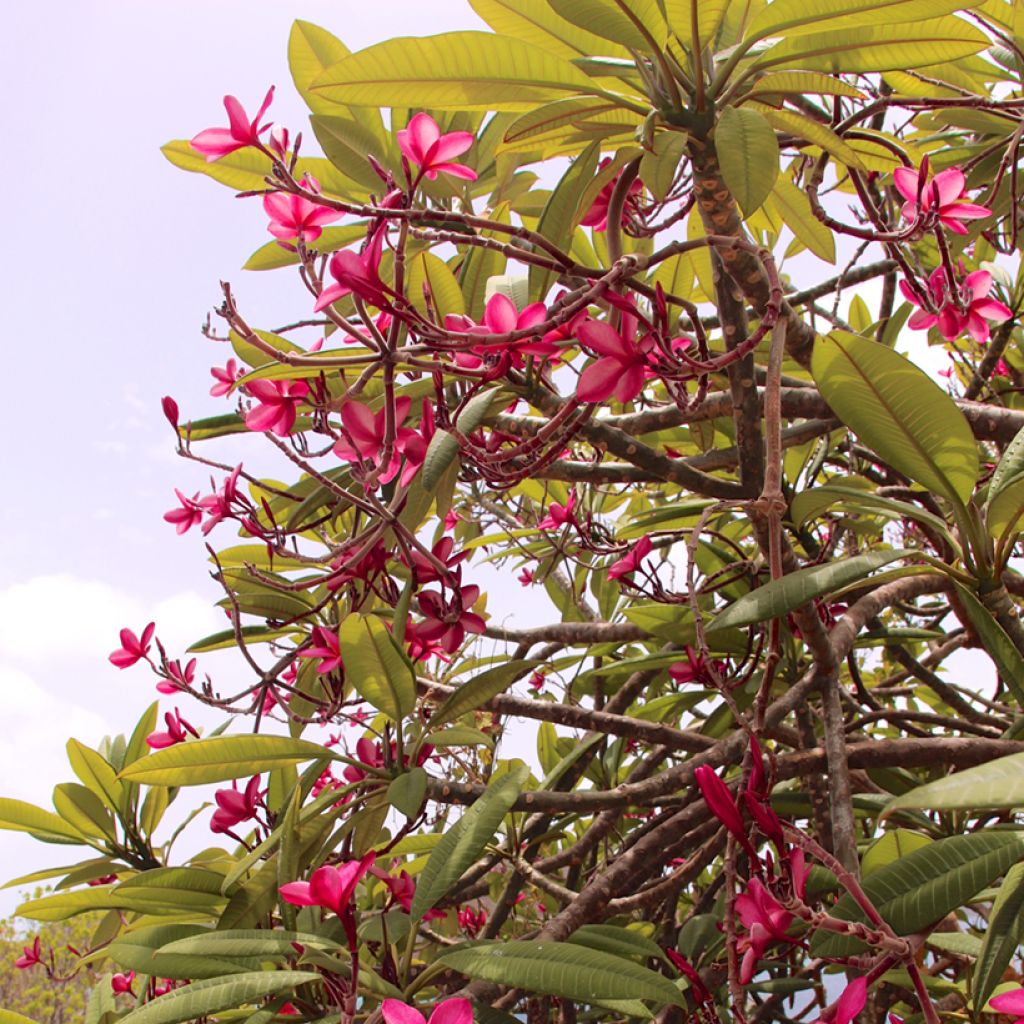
x,y
664,397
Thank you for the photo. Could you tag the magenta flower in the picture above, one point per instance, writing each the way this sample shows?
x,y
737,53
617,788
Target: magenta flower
x,y
944,193
1010,1003
189,514
365,440
329,887
170,408
214,143
502,317
122,983
450,1011
226,378
720,802
234,807
217,506
630,562
177,678
688,971
978,308
849,1004
326,648
766,921
359,273
619,370
525,577
423,144
471,921
559,515
295,217
370,754
447,621
132,648
177,732
597,216
277,404
426,572
30,956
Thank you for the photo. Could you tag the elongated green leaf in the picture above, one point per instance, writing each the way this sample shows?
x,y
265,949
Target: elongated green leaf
x,y
818,134
795,210
997,785
457,70
562,212
1010,467
801,83
202,998
10,1017
611,938
84,810
798,588
748,154
479,690
808,504
430,279
895,408
273,256
564,969
1001,649
465,841
891,847
709,16
878,47
1003,512
245,942
406,791
95,773
18,816
607,19
1004,933
444,448
798,17
143,950
376,666
221,758
920,889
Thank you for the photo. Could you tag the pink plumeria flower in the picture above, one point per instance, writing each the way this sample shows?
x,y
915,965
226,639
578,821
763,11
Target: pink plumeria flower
x,y
215,143
278,139
367,752
122,983
329,887
944,193
766,921
620,369
358,273
719,799
978,307
225,377
630,562
278,401
177,732
132,648
423,144
187,515
426,571
365,440
30,956
234,807
170,408
559,515
295,217
450,1011
597,216
179,679
447,621
326,648
502,317
217,506
849,1004
526,577
1010,1003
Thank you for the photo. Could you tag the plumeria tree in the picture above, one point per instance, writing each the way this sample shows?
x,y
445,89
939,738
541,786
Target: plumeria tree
x,y
611,299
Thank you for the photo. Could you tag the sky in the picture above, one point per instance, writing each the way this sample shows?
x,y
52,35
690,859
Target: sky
x,y
112,263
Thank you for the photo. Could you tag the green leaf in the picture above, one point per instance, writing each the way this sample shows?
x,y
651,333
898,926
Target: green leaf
x,y
801,83
457,70
18,816
778,597
891,847
10,1017
658,169
96,773
444,448
479,690
535,23
84,810
221,758
407,791
611,938
709,15
465,841
818,134
896,409
607,19
1000,648
146,950
748,154
996,785
272,256
202,998
794,208
1010,467
798,17
878,47
920,889
245,942
811,503
563,969
429,276
1004,933
562,212
1003,512
376,666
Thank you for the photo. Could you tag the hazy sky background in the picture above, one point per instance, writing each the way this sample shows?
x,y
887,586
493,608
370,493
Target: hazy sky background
x,y
112,262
